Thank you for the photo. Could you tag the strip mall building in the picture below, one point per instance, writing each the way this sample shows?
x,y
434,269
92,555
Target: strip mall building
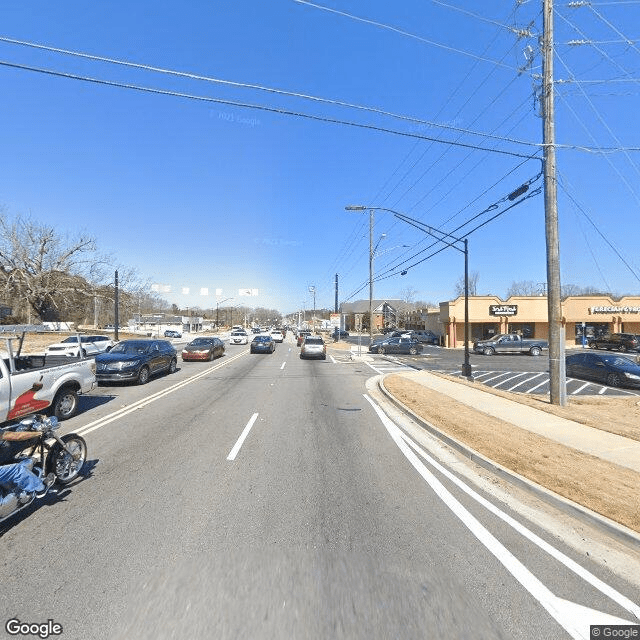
x,y
587,316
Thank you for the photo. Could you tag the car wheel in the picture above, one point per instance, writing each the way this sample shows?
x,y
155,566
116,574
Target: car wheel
x,y
489,351
65,404
173,365
381,350
622,348
593,345
413,351
143,376
613,380
535,351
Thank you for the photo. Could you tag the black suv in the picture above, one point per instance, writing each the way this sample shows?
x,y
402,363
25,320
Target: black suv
x,y
616,341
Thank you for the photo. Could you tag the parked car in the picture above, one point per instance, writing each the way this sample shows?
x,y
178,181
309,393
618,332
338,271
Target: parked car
x,y
136,360
610,369
203,349
510,343
171,333
397,345
425,336
302,334
262,344
89,345
313,347
340,333
616,342
277,336
239,337
387,330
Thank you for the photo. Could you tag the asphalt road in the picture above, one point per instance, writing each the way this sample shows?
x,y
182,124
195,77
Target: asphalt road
x,y
262,496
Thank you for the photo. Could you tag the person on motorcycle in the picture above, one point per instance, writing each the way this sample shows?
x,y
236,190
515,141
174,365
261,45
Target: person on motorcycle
x,y
18,475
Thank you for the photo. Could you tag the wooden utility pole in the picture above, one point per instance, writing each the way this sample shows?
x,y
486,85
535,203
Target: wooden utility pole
x,y
557,373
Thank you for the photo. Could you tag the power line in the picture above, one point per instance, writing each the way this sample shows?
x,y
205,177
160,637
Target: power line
x,y
402,32
247,105
245,85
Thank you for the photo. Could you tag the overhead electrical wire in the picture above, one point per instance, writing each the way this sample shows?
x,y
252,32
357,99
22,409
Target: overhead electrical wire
x,y
245,85
599,231
246,105
399,31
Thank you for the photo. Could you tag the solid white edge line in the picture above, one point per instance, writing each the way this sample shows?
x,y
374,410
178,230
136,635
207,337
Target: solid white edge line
x,y
245,432
570,564
547,599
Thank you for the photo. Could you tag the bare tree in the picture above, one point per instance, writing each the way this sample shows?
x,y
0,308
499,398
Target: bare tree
x,y
473,284
55,275
523,288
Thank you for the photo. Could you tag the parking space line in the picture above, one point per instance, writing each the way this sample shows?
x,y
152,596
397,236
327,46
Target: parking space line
x,y
539,385
245,432
579,389
502,373
525,381
282,367
509,379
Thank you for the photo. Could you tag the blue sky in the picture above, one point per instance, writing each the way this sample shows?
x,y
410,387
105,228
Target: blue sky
x,y
200,194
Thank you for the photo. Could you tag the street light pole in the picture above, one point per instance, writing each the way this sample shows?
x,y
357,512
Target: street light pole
x,y
443,237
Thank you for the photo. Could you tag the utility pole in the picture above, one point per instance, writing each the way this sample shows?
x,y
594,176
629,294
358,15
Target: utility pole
x,y
116,311
335,310
557,371
370,276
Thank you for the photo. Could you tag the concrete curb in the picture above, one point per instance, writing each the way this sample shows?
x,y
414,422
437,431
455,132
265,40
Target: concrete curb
x,y
610,527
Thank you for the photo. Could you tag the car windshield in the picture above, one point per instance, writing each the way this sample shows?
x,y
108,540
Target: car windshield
x,y
132,347
314,341
262,339
70,339
201,342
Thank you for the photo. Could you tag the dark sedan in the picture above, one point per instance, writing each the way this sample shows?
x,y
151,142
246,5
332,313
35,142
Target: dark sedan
x,y
612,370
203,349
136,361
262,344
407,346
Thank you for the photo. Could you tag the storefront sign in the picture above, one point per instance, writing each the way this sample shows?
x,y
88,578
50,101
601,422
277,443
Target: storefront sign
x,y
503,309
594,310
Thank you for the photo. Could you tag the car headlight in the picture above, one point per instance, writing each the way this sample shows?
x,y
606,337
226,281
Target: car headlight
x,y
126,364
632,376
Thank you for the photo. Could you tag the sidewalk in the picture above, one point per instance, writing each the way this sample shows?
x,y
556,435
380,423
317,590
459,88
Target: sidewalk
x,y
601,444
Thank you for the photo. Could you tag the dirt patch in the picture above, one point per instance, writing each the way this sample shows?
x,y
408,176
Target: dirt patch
x,y
601,486
615,414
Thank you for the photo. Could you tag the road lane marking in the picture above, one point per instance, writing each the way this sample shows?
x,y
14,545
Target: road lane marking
x,y
569,615
509,379
105,420
333,359
245,432
282,367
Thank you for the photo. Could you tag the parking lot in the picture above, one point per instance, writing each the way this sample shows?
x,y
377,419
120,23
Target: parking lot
x,y
515,373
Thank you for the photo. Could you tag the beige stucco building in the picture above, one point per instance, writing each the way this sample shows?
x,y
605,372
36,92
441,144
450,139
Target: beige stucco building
x,y
587,316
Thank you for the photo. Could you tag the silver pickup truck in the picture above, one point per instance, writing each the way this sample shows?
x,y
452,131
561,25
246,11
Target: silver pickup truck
x,y
39,384
510,343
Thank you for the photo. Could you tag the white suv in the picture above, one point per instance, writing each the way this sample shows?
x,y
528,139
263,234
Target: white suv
x,y
90,345
277,336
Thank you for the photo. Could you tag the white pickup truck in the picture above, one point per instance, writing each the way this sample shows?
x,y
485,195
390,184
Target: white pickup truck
x,y
39,384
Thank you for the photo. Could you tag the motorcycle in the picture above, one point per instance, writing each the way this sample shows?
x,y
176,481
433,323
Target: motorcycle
x,y
63,456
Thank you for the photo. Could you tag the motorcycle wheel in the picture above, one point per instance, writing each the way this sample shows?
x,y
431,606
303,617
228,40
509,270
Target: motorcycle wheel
x,y
66,467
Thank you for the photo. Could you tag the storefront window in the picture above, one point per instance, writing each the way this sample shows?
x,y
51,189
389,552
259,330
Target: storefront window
x,y
524,329
591,330
484,331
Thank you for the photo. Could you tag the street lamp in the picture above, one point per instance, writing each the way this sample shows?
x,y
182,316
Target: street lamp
x,y
312,289
442,237
371,255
